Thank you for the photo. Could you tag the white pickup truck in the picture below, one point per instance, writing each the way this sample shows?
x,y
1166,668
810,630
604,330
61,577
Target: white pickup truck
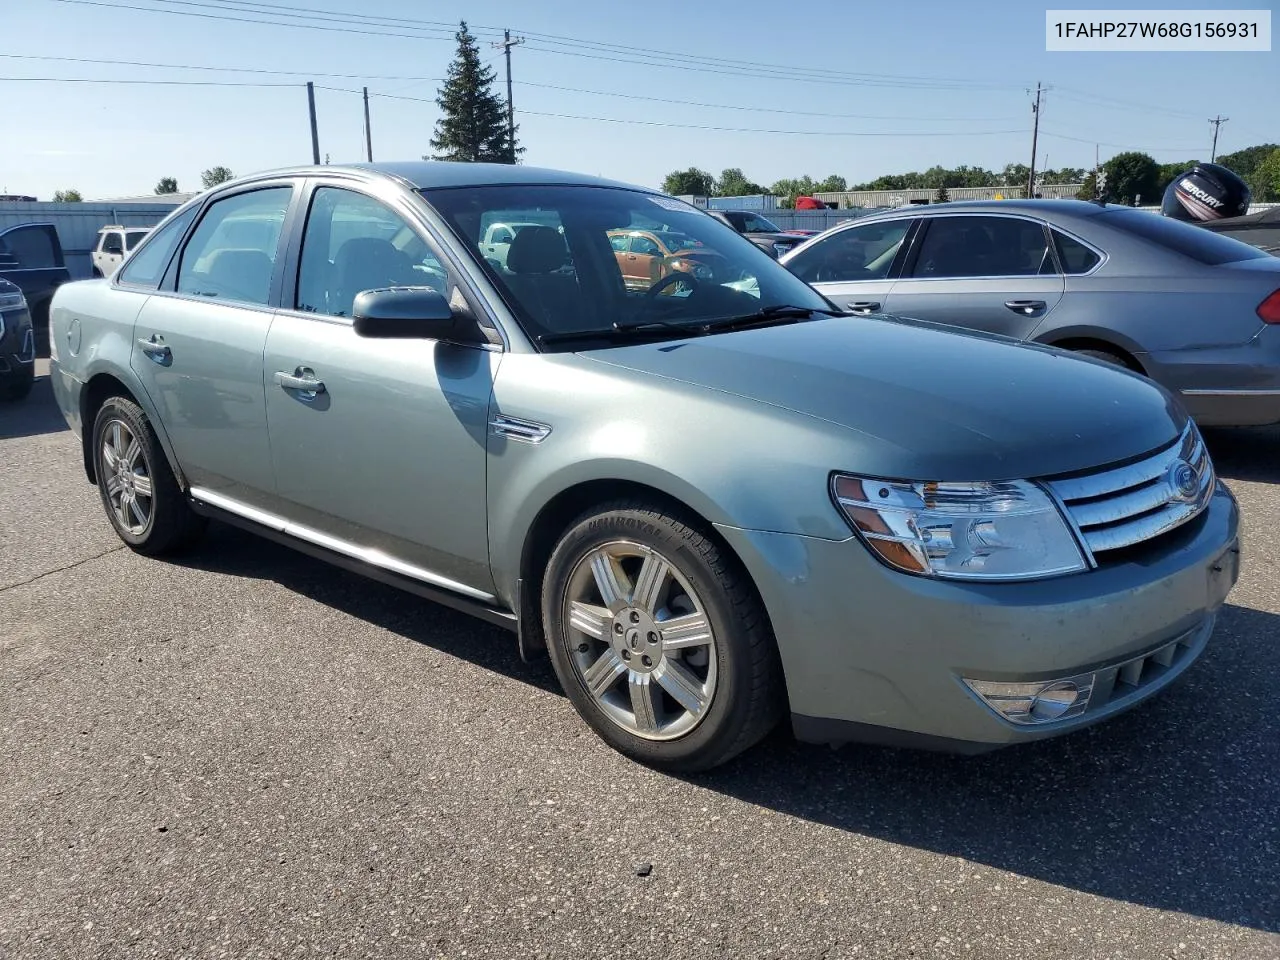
x,y
497,241
114,244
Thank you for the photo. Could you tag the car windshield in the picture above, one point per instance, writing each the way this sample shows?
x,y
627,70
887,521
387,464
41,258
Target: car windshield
x,y
1190,241
758,224
564,276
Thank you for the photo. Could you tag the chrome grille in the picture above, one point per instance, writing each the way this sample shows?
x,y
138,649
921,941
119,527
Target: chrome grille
x,y
1128,505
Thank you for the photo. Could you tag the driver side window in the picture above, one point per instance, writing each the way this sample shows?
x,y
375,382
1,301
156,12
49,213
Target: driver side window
x,y
863,252
354,243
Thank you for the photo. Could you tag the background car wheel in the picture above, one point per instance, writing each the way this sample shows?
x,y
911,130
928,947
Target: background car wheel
x,y
1106,357
659,639
142,498
17,387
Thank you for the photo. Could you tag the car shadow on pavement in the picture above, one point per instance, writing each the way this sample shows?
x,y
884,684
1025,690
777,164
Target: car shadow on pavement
x,y
32,416
227,549
1174,805
1245,453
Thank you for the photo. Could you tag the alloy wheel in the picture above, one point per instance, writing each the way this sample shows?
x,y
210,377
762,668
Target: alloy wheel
x,y
126,476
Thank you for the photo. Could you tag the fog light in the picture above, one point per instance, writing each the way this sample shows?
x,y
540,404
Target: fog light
x,y
1042,701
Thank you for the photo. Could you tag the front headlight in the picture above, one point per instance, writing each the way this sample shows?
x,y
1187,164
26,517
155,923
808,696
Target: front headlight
x,y
9,301
1000,530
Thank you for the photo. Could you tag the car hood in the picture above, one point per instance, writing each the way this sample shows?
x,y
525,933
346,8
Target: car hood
x,y
925,402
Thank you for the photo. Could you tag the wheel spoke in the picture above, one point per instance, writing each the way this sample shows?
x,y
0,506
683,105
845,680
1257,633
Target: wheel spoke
x,y
113,485
683,686
690,630
131,450
142,485
109,457
604,673
117,445
609,579
642,702
584,617
649,583
136,510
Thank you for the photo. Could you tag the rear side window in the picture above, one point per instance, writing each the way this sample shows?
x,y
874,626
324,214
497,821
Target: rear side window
x,y
960,247
133,237
147,266
1075,256
31,246
232,253
1190,241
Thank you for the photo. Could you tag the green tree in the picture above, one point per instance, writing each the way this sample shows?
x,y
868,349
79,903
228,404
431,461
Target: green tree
x,y
1266,178
1131,175
473,122
68,196
216,175
1090,188
692,182
941,196
832,184
1065,175
166,185
734,183
1246,161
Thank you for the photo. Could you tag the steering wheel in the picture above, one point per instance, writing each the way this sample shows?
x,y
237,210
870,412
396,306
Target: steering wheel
x,y
678,276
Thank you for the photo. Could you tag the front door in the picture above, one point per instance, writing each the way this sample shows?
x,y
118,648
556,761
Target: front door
x,y
382,447
853,268
992,273
198,345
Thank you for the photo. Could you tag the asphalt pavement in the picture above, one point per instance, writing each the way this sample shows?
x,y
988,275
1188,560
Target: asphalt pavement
x,y
251,754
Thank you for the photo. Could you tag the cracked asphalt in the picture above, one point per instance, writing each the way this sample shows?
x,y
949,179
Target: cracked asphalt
x,y
251,754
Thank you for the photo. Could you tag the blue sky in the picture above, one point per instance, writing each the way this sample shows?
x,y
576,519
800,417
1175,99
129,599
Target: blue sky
x,y
956,74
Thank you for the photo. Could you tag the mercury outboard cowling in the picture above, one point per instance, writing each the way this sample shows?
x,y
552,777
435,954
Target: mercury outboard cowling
x,y
1207,192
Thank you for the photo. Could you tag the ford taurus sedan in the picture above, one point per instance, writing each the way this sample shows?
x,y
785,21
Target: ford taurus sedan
x,y
1195,311
712,502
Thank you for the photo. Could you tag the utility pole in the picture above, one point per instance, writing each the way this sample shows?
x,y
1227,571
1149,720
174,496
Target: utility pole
x,y
368,134
1035,135
1217,121
506,45
315,137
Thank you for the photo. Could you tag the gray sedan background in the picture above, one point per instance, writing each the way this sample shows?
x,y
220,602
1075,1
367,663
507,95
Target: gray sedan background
x,y
253,754
1193,310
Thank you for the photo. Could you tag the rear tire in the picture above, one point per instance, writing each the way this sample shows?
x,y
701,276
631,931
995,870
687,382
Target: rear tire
x,y
659,638
140,494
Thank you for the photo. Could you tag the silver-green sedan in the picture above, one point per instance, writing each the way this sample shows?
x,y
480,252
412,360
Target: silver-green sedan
x,y
714,501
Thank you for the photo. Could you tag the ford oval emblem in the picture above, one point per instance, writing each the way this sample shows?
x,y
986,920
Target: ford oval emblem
x,y
1184,482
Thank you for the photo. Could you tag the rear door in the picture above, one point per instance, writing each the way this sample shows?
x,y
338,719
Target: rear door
x,y
991,272
200,338
856,267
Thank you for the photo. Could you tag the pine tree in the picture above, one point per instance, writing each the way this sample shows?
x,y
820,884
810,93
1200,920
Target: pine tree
x,y
942,196
474,125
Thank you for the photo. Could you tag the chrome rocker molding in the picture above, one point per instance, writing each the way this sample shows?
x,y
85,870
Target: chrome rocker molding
x,y
362,560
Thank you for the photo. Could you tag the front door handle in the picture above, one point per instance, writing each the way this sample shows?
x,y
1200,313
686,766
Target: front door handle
x,y
303,380
863,306
155,348
1027,307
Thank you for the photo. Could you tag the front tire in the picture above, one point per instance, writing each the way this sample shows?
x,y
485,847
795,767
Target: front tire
x,y
143,501
659,639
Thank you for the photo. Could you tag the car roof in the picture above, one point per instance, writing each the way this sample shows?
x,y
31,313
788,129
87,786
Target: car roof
x,y
438,174
1040,208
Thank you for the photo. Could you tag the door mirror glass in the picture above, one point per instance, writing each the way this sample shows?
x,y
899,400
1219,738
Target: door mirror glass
x,y
408,313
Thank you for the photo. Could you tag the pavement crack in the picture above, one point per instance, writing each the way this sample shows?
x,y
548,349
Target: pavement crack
x,y
69,566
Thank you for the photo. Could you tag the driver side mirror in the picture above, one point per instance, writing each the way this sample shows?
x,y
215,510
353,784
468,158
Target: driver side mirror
x,y
411,313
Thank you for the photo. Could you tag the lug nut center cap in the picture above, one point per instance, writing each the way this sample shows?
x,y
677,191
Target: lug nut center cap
x,y
638,641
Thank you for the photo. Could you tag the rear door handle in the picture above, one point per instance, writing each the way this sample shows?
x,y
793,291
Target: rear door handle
x,y
155,348
303,380
863,306
1027,307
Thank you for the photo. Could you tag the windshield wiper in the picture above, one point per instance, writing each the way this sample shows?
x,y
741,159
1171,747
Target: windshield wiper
x,y
771,314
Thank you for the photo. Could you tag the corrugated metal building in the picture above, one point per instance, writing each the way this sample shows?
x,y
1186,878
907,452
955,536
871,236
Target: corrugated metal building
x,y
901,198
78,223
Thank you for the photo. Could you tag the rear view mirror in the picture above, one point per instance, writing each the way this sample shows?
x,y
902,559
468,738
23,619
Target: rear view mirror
x,y
410,313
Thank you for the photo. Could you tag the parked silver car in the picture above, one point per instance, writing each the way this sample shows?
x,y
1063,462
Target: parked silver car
x,y
711,501
1197,312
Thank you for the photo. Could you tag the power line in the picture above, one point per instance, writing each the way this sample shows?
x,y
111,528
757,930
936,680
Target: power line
x,y
155,83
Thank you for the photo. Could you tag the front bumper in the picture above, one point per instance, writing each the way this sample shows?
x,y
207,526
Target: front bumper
x,y
17,343
872,654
